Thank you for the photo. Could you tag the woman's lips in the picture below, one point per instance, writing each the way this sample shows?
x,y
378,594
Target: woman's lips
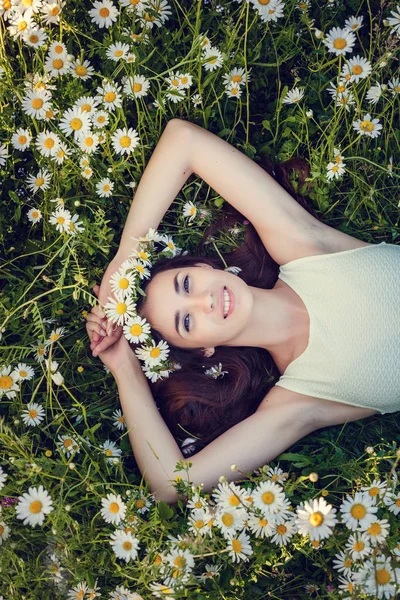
x,y
231,302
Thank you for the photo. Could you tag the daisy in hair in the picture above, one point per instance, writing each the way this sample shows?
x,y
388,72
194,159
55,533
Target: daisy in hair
x,y
33,414
137,330
139,267
354,23
340,41
153,355
119,310
109,96
21,139
136,86
293,96
75,122
358,512
36,102
170,245
356,68
260,525
113,509
81,69
50,12
141,254
103,13
124,545
122,283
316,519
104,187
23,371
125,140
117,51
47,143
368,126
35,38
40,181
119,422
33,506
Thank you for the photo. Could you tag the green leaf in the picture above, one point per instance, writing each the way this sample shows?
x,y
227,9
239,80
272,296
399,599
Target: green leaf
x,y
219,202
165,511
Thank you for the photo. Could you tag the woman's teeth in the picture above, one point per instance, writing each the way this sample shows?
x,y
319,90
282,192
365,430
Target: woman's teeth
x,y
226,303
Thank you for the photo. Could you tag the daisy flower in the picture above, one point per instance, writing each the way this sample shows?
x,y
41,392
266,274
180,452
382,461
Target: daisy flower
x,y
377,578
119,422
89,142
21,139
74,226
60,218
345,100
335,170
375,92
125,140
8,382
268,497
142,255
339,88
68,445
230,520
58,49
153,355
316,519
140,268
84,161
282,532
274,12
376,490
395,20
170,245
58,333
216,371
378,531
109,95
189,210
78,592
353,23
340,41
275,474
35,38
356,68
104,187
392,501
111,451
368,126
62,153
87,104
119,310
40,181
33,414
236,76
24,372
114,509
20,22
394,85
136,86
303,5
293,96
4,532
229,495
47,143
122,282
36,102
104,13
3,154
75,122
260,525
50,12
3,477
81,69
87,172
358,512
197,521
33,506
100,119
124,545
117,51
212,58
137,330
151,236
57,65
196,100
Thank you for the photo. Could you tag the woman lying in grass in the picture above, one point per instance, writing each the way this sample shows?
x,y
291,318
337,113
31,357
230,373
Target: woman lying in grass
x,y
302,335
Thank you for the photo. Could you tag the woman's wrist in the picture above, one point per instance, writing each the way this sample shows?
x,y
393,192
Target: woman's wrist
x,y
128,368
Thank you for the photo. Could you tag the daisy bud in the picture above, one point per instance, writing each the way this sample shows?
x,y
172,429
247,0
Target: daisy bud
x,y
234,467
54,531
318,34
222,479
369,450
72,466
313,477
77,203
16,421
68,507
309,113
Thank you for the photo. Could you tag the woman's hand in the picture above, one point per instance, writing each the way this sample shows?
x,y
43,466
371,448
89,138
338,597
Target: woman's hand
x,y
114,332
117,352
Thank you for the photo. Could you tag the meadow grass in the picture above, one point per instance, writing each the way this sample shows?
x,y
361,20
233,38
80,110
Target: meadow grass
x,y
274,79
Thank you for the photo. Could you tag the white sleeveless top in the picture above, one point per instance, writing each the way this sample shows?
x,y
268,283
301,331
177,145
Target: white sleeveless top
x,y
353,301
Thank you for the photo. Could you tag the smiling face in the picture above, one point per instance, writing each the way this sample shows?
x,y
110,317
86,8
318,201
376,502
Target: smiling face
x,y
187,306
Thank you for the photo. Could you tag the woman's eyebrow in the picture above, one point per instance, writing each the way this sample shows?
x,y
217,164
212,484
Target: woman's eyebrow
x,y
177,316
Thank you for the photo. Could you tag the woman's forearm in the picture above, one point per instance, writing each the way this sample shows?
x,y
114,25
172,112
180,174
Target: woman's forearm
x,y
156,452
166,172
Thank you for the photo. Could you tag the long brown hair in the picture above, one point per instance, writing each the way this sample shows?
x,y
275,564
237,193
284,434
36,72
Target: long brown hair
x,y
190,401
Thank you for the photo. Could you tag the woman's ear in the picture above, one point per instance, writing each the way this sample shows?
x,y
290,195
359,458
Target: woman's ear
x,y
207,352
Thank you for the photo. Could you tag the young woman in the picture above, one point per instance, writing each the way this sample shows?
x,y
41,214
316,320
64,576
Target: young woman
x,y
307,332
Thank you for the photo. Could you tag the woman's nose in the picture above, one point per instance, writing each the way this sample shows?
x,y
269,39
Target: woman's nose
x,y
204,302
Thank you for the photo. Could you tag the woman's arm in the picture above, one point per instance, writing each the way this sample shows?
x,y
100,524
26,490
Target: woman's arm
x,y
166,172
155,449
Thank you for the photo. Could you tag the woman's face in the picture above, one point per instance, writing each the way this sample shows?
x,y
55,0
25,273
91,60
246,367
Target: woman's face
x,y
187,306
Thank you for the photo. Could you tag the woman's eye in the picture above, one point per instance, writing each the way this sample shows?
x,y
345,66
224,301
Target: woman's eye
x,y
184,283
186,320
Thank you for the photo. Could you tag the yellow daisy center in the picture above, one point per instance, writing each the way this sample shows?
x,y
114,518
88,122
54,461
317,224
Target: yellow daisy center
x,y
124,283
236,546
347,563
199,524
382,576
5,382
33,413
358,546
374,491
49,114
171,245
121,308
316,519
89,141
104,12
180,562
86,108
54,11
236,78
118,53
67,443
358,511
281,529
80,70
101,119
23,373
49,143
37,103
262,522
106,188
335,168
110,96
366,126
39,181
157,560
315,543
114,507
76,124
357,69
33,38
264,2
125,141
35,507
268,497
374,529
139,268
136,329
137,87
140,503
58,63
155,352
397,503
340,43
22,139
127,546
108,452
22,25
340,88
